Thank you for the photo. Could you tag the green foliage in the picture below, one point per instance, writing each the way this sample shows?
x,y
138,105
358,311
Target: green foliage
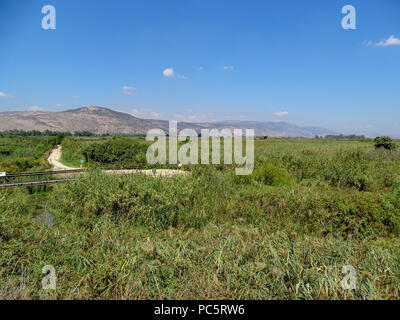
x,y
310,207
384,142
349,169
271,175
73,147
21,164
156,203
117,151
24,153
192,202
198,236
5,151
57,140
396,188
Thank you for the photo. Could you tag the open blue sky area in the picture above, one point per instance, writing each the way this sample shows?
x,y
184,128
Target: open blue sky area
x,y
206,60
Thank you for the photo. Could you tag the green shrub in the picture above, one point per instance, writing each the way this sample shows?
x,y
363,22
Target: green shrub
x,y
271,175
20,164
116,151
384,142
266,174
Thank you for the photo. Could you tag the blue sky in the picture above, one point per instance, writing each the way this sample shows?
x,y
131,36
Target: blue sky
x,y
256,60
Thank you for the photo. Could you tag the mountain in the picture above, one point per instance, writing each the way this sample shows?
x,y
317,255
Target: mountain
x,y
101,120
94,119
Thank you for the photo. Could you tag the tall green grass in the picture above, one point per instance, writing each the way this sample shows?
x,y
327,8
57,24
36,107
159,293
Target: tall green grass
x,y
284,232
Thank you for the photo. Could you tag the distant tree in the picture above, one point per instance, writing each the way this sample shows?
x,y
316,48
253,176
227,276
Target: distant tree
x,y
33,133
345,137
384,142
83,134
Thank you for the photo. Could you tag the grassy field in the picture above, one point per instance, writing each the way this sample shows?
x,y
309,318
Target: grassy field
x,y
310,207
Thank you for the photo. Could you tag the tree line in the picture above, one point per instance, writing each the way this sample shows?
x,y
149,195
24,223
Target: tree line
x,y
46,133
49,133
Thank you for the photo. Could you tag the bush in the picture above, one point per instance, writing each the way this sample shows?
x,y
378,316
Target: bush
x,y
272,175
267,174
117,151
20,164
57,139
384,142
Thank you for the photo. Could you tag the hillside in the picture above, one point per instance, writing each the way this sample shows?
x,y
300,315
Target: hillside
x,y
101,120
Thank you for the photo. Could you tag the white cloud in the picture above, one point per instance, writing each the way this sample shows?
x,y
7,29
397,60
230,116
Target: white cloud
x,y
35,108
193,117
281,113
187,116
155,114
135,112
59,105
128,91
230,68
4,95
145,113
391,41
200,68
169,73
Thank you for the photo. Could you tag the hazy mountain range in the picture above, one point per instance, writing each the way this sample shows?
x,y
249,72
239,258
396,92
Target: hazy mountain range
x,y
101,120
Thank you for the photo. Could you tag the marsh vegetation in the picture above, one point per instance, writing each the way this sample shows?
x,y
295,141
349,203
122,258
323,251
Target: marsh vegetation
x,y
310,207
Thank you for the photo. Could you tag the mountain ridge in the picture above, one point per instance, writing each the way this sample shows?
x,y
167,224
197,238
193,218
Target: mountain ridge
x,y
100,120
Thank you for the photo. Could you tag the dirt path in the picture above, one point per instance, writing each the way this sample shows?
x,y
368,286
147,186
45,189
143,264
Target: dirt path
x,y
54,159
55,156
